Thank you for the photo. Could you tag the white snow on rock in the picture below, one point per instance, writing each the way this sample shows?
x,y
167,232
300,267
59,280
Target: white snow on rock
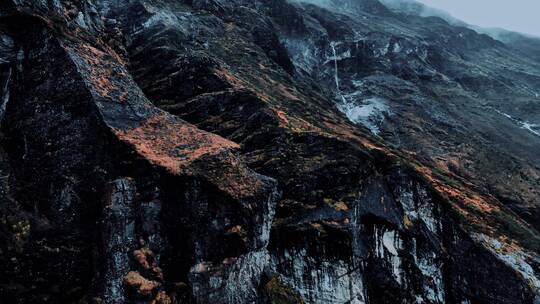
x,y
515,258
237,283
397,48
531,127
370,112
432,269
387,246
320,282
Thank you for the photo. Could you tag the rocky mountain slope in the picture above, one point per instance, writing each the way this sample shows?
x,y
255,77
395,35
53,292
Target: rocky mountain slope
x,y
268,151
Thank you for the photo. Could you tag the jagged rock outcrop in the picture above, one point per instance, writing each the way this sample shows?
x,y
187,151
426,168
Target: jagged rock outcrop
x,y
182,152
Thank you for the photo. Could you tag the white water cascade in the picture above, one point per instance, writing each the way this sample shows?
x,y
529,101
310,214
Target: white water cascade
x,y
333,45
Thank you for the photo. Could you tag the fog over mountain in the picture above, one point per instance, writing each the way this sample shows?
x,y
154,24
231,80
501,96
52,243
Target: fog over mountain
x,y
526,41
519,16
418,8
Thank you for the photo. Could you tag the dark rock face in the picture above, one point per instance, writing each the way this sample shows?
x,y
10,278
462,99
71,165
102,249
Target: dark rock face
x,y
192,152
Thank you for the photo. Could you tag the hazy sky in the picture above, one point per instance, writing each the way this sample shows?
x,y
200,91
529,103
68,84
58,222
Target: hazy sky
x,y
516,15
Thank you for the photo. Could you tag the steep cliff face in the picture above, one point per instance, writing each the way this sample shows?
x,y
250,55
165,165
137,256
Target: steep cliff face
x,y
102,175
195,152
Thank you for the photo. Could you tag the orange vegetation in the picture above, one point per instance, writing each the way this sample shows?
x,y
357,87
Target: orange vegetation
x,y
143,256
295,124
142,285
162,298
172,143
102,66
286,92
175,145
347,132
99,76
464,197
234,81
271,92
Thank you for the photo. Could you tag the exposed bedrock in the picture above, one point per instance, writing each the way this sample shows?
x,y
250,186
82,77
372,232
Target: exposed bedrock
x,y
344,230
396,244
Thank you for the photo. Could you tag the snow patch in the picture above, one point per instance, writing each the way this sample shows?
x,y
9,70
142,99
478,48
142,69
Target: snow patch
x,y
305,55
80,21
392,242
160,17
381,51
515,258
370,112
267,217
397,48
531,128
179,21
119,238
419,207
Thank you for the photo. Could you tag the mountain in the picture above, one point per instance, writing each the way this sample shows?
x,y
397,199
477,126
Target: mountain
x,y
475,97
267,151
524,43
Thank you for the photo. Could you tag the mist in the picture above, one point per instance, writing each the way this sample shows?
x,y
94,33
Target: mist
x,y
499,19
519,15
417,8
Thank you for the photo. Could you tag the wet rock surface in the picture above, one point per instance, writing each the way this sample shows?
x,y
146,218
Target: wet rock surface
x,y
197,152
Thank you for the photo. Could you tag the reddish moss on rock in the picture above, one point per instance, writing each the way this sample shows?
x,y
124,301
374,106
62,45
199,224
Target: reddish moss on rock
x,y
141,285
172,143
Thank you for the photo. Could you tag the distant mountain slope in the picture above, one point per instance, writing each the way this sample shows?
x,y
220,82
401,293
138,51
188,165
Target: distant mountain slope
x,y
462,99
527,44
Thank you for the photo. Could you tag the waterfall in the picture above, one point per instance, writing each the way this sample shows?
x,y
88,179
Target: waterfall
x,y
336,74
